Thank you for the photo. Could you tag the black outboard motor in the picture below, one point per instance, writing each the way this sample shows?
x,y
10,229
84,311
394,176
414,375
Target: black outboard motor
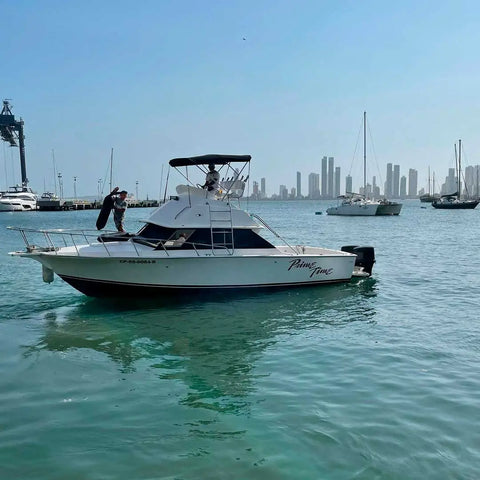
x,y
365,256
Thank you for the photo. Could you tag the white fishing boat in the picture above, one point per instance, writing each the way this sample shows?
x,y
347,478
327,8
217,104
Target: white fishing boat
x,y
18,199
197,240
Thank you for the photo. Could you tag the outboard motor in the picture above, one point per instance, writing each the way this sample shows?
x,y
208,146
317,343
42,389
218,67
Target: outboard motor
x,y
365,256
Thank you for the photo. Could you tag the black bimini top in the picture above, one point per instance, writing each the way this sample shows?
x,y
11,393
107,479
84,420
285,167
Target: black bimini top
x,y
212,158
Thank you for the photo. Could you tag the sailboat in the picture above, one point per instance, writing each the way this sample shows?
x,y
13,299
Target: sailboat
x,y
453,201
354,204
430,197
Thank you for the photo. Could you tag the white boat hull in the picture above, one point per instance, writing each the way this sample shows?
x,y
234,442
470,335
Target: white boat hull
x,y
101,276
360,209
17,206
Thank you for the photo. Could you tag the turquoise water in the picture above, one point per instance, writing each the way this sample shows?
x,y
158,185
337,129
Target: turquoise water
x,y
376,379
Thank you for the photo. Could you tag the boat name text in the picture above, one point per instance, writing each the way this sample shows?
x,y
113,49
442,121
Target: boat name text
x,y
138,261
311,266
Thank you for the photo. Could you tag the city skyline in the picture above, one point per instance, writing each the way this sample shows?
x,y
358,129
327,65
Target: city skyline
x,y
397,187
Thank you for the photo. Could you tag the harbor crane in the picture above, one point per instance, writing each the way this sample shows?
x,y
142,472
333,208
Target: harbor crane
x,y
11,131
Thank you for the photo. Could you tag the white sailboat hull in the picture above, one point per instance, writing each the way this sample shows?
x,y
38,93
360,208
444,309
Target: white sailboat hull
x,y
354,209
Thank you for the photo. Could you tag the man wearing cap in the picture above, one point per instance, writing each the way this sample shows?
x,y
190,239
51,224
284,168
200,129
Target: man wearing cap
x,y
119,207
212,179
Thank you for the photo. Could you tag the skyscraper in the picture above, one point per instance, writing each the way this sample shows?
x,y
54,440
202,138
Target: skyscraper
x,y
389,182
337,182
262,188
330,192
375,188
412,182
396,181
348,184
324,177
314,186
403,186
299,185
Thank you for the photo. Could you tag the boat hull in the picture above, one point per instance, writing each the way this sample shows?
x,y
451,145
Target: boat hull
x,y
455,205
369,209
16,206
389,209
142,276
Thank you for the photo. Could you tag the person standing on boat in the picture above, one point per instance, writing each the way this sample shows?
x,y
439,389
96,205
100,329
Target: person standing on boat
x,y
212,179
119,207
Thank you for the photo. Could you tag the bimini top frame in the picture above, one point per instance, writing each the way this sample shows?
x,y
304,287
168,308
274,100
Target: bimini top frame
x,y
212,158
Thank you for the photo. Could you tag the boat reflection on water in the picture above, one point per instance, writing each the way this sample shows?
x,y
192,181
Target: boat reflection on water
x,y
211,347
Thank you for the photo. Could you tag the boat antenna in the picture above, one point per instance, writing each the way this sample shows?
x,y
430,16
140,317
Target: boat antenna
x,y
166,185
161,185
54,172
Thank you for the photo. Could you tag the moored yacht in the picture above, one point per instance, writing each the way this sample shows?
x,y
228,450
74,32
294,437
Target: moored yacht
x,y
49,201
354,205
197,240
388,207
18,199
454,201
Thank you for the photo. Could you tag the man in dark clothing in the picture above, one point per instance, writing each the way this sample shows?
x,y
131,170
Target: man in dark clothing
x,y
119,207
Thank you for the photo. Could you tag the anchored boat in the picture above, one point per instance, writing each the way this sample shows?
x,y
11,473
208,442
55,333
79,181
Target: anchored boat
x,y
197,240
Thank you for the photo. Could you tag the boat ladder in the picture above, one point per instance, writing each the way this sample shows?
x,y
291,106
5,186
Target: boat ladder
x,y
221,229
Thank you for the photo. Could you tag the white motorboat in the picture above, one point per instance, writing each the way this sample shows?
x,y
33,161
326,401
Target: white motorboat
x,y
197,240
18,199
49,201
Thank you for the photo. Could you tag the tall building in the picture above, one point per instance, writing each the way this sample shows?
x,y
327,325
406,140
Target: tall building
x,y
283,193
348,184
255,190
299,185
330,191
396,181
450,185
314,186
324,177
262,188
389,182
337,182
403,186
375,188
412,182
472,181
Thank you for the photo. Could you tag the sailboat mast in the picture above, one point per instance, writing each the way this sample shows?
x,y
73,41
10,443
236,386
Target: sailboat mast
x,y
459,168
365,153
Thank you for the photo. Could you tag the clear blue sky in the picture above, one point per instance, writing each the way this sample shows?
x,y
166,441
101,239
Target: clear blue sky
x,y
162,79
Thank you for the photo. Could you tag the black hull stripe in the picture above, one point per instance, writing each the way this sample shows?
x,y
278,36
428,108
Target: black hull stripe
x,y
101,288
